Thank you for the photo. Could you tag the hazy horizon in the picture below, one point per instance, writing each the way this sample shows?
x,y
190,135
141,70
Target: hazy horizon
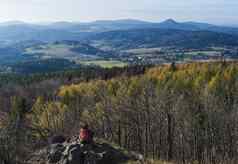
x,y
119,19
217,12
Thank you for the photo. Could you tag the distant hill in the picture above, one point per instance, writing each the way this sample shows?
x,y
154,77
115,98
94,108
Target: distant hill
x,y
11,23
140,38
20,31
195,26
126,24
25,32
103,26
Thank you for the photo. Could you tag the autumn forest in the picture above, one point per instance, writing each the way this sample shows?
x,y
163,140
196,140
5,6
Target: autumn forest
x,y
185,112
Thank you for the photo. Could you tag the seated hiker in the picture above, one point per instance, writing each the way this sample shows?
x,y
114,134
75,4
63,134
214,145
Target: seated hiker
x,y
86,135
86,138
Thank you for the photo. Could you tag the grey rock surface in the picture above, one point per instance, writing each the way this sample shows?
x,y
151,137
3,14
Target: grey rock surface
x,y
75,153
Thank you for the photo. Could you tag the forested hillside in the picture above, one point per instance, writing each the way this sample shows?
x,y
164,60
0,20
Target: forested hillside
x,y
151,37
183,113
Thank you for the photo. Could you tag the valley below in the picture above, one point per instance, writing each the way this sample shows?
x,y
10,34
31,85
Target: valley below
x,y
118,92
112,44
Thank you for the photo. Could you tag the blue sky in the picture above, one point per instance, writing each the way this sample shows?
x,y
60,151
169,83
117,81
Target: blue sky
x,y
212,11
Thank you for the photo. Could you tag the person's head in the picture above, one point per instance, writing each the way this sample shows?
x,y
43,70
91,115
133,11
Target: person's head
x,y
85,126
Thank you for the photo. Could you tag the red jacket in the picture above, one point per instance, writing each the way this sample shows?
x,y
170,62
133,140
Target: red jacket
x,y
85,135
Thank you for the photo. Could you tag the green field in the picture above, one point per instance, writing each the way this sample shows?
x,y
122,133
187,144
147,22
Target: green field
x,y
143,50
209,53
65,51
58,51
105,63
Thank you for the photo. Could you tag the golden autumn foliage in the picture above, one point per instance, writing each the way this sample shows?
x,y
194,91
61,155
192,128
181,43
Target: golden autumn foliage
x,y
168,113
48,117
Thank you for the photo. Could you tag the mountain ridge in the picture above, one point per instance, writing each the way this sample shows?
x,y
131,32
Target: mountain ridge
x,y
149,38
21,31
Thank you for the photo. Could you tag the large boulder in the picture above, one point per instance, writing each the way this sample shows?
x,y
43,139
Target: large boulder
x,y
76,153
55,153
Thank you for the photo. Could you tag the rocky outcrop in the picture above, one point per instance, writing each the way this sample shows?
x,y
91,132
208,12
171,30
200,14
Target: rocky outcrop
x,y
75,153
